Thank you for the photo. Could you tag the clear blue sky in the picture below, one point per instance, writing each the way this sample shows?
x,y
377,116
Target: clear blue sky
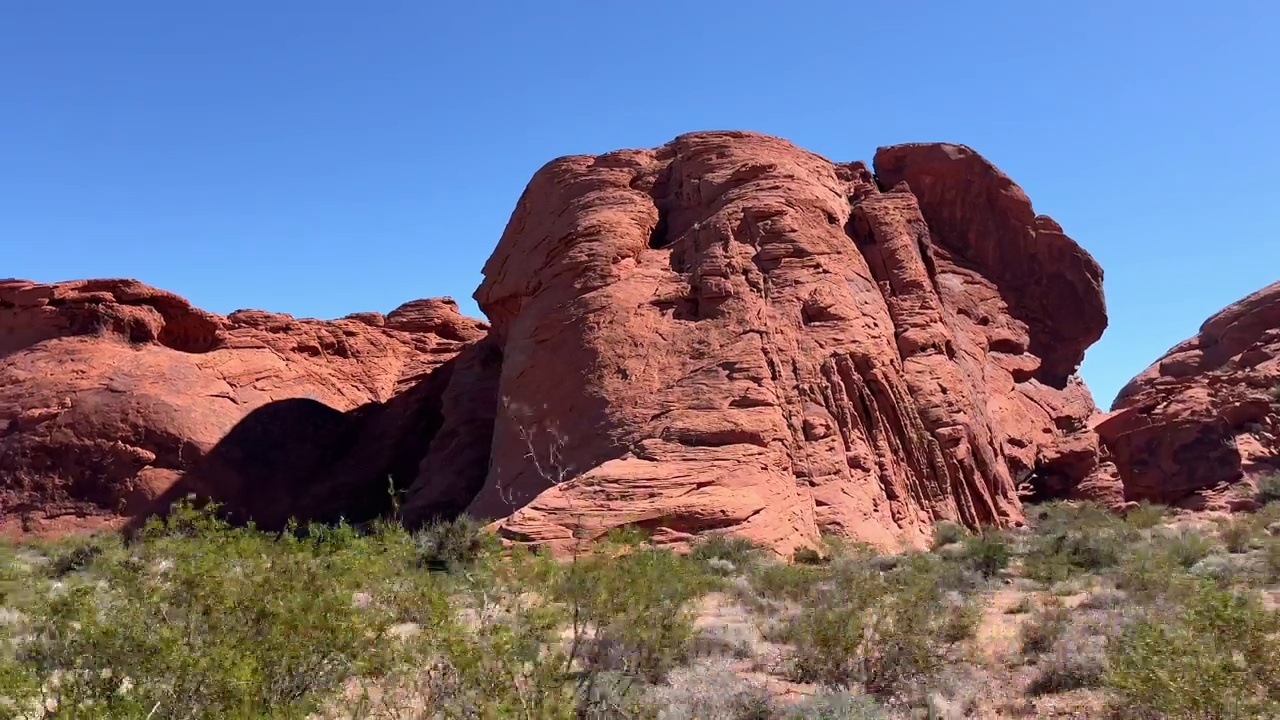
x,y
320,158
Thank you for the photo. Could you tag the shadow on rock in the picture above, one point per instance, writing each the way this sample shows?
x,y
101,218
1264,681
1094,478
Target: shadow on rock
x,y
303,460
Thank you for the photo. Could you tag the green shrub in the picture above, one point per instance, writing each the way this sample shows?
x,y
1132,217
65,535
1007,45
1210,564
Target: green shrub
x,y
1237,533
715,551
206,620
1065,554
1145,516
781,581
452,544
987,553
1147,574
1269,488
1041,632
1211,656
634,607
946,533
808,556
1070,665
881,631
1185,547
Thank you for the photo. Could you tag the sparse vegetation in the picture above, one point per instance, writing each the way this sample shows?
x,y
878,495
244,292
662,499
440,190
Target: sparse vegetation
x,y
987,553
946,533
1212,655
198,619
1269,488
1237,533
1146,515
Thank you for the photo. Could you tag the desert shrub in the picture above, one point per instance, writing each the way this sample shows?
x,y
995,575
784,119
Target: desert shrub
x,y
808,556
1076,661
780,581
987,553
1269,566
709,691
1218,568
738,552
835,705
207,620
1212,655
451,544
1041,632
1145,516
1146,574
1064,554
946,533
1236,534
736,640
634,607
1269,488
1105,600
884,632
1185,547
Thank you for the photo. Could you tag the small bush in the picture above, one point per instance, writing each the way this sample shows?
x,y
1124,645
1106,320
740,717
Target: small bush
x,y
946,533
451,544
1024,605
780,581
987,554
808,556
709,691
638,606
1073,664
1185,548
1210,656
1145,516
739,552
882,631
835,706
1237,533
1063,555
1041,632
1269,488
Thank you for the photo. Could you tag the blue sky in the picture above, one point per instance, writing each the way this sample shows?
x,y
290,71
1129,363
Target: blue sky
x,y
321,158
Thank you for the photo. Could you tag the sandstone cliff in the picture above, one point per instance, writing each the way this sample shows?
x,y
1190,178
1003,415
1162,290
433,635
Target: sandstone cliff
x,y
729,333
723,334
1203,416
116,397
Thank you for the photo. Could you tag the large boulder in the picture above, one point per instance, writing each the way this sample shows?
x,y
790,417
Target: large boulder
x,y
729,333
1204,416
116,398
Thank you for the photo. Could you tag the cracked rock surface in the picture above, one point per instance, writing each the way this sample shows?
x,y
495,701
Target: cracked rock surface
x,y
730,333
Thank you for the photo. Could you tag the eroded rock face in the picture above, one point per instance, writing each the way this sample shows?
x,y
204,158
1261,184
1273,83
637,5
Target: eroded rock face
x,y
1204,416
729,333
116,397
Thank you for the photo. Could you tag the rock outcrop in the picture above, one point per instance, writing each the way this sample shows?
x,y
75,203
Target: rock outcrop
x,y
729,333
116,397
723,334
1205,415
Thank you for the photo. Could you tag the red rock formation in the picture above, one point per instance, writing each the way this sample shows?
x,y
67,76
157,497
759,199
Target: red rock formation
x,y
115,397
728,333
1203,416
